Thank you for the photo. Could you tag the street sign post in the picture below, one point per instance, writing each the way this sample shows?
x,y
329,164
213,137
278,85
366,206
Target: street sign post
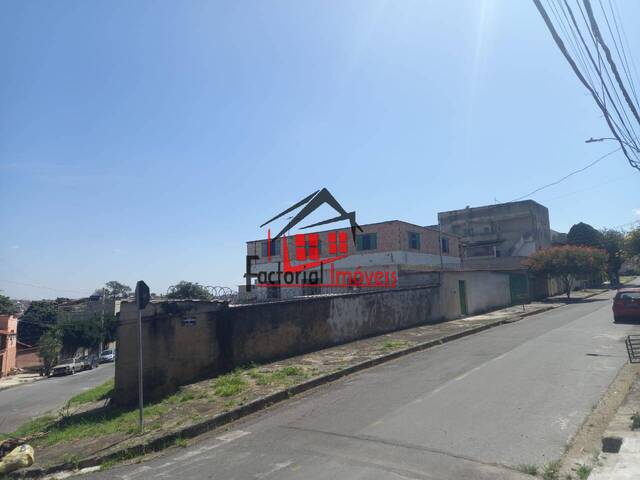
x,y
142,300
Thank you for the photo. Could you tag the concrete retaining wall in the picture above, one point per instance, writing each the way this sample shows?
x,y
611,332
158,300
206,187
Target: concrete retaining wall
x,y
185,341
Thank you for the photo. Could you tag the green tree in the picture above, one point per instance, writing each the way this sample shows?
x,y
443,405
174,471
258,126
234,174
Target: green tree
x,y
117,290
7,306
632,242
585,235
50,347
613,244
81,332
568,263
189,290
39,316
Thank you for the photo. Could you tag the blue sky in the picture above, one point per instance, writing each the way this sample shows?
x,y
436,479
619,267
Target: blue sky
x,y
150,139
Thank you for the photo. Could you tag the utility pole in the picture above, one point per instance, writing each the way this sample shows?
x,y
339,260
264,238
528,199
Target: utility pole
x,y
142,300
104,294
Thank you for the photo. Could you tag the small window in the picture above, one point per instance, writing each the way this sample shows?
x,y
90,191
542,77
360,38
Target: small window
x,y
445,245
276,246
307,246
414,240
337,243
367,241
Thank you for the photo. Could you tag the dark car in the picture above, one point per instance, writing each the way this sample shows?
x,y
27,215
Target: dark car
x,y
89,362
626,304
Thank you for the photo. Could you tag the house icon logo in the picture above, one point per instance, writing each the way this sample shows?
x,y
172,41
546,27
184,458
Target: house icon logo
x,y
308,270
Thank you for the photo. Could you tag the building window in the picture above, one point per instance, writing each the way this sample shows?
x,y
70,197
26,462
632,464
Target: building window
x,y
414,240
367,241
276,247
307,247
337,243
445,245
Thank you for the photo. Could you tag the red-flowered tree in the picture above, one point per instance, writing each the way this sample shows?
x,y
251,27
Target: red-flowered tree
x,y
568,263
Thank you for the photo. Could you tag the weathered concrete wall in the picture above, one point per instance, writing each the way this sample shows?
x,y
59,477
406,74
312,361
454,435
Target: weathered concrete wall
x,y
179,347
485,291
190,340
185,341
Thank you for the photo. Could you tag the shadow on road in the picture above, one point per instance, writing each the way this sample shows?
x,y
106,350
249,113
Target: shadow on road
x,y
577,300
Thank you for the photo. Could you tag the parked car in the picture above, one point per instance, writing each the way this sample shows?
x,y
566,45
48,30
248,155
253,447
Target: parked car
x,y
626,304
108,356
67,366
89,362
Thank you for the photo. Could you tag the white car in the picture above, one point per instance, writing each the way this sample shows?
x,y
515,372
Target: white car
x,y
108,356
68,366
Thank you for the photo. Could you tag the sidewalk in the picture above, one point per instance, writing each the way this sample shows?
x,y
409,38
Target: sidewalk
x,y
95,434
624,465
19,379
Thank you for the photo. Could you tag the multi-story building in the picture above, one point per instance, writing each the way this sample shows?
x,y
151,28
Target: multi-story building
x,y
386,246
8,343
500,235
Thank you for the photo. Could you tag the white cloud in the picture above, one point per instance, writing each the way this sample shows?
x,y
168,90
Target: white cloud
x,y
14,247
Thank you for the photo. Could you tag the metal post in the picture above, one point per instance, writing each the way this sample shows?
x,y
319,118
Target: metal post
x,y
140,398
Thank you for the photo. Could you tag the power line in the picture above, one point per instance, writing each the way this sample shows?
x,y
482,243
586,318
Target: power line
x,y
568,175
41,286
619,123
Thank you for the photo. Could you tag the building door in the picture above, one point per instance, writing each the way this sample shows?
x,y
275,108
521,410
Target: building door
x,y
462,291
519,289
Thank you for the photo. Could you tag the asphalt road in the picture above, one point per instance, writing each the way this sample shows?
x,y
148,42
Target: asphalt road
x,y
474,408
20,404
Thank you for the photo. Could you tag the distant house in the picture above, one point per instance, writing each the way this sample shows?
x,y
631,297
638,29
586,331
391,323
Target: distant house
x,y
387,246
500,235
8,343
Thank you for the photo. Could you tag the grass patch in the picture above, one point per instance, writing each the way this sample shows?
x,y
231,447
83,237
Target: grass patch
x,y
284,376
98,422
394,344
583,472
551,471
528,469
229,384
180,442
101,392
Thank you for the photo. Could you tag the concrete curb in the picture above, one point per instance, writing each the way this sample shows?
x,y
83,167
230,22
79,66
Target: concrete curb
x,y
2,387
167,439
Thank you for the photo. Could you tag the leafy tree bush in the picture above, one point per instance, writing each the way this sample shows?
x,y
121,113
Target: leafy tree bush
x,y
189,290
117,290
50,347
7,306
40,315
568,263
613,244
632,243
585,235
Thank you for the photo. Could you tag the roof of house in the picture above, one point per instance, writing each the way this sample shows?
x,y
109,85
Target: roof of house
x,y
428,227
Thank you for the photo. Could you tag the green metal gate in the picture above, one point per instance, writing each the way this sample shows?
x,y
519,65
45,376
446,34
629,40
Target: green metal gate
x,y
519,289
462,291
